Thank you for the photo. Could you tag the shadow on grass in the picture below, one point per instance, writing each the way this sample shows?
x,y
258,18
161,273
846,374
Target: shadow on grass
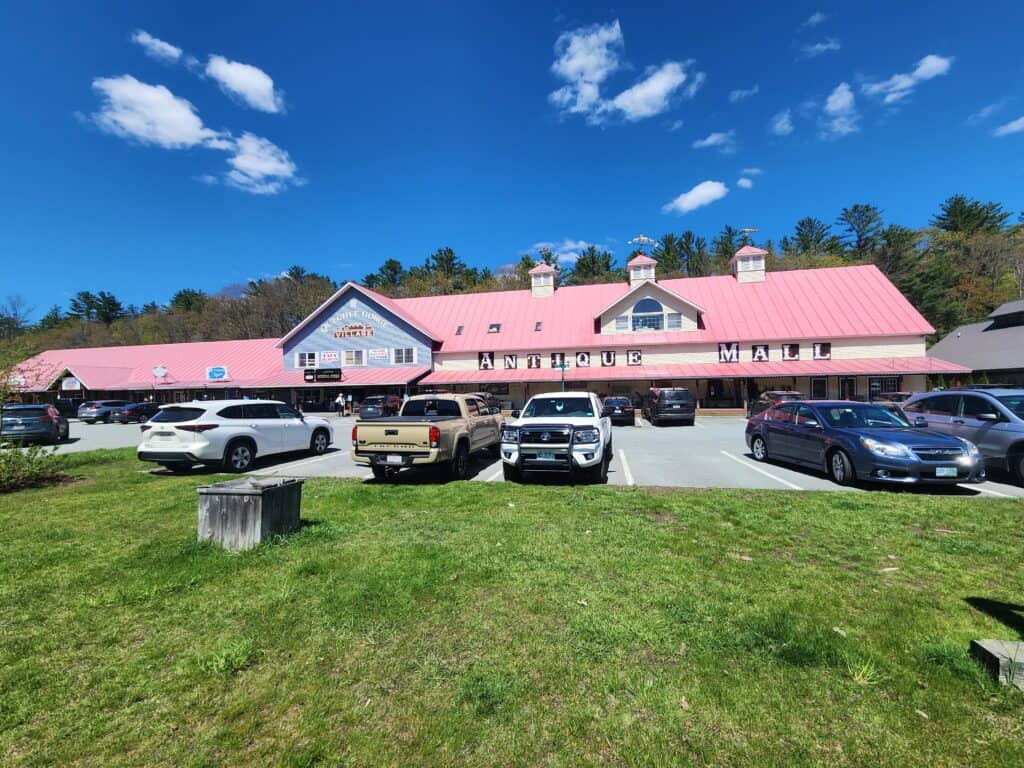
x,y
432,475
1011,615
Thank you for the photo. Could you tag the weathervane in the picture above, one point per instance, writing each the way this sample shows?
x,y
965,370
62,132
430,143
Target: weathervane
x,y
747,231
641,240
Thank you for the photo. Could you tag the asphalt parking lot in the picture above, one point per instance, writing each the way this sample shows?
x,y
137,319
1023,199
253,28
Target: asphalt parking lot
x,y
710,454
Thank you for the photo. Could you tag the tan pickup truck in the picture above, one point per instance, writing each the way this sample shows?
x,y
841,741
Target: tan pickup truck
x,y
441,430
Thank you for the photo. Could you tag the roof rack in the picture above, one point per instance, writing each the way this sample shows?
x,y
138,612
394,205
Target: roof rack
x,y
984,386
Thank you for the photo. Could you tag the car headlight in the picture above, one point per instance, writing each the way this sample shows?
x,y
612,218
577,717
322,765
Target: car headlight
x,y
509,435
971,448
887,450
586,435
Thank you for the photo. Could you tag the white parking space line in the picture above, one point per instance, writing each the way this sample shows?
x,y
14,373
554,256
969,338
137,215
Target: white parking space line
x,y
625,468
757,469
496,476
368,477
988,492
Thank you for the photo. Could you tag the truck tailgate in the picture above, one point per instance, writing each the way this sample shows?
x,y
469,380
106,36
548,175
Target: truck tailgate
x,y
393,436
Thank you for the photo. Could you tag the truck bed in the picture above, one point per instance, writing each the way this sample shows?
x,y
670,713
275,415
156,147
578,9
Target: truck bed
x,y
410,419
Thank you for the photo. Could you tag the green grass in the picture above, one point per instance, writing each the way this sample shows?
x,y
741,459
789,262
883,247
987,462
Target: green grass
x,y
481,624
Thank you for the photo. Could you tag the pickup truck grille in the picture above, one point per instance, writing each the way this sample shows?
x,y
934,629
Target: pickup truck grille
x,y
541,435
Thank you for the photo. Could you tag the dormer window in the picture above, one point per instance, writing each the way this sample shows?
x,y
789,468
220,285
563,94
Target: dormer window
x,y
494,328
648,315
458,331
537,326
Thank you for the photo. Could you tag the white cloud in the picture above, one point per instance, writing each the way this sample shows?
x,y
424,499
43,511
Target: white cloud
x,y
250,84
745,183
841,116
703,194
985,113
585,57
208,178
810,51
156,48
150,114
743,93
782,123
814,19
650,96
261,167
676,125
567,251
751,172
1014,126
724,140
899,86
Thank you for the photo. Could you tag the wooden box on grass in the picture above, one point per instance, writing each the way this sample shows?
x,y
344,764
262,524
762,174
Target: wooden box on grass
x,y
239,514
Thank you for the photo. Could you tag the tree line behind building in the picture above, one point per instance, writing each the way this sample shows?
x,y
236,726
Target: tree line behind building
x,y
969,260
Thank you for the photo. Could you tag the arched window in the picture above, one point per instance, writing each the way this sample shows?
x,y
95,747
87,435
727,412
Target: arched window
x,y
648,315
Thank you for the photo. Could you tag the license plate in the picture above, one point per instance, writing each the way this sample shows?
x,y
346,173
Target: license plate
x,y
394,459
546,455
17,426
676,407
945,471
163,435
618,410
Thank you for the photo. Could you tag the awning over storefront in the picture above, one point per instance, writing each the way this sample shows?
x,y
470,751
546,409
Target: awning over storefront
x,y
875,366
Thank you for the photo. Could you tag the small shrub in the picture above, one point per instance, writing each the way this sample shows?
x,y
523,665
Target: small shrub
x,y
29,466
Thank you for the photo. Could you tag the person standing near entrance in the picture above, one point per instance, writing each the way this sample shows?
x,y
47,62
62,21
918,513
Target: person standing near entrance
x,y
339,404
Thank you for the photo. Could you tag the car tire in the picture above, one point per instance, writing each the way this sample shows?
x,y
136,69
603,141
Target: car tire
x,y
510,473
239,456
459,465
1017,465
379,473
840,468
691,422
319,442
759,448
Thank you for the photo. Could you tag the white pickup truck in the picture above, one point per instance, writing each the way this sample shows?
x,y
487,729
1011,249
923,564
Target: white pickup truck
x,y
558,432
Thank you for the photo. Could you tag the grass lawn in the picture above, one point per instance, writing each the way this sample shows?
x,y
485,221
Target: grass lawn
x,y
481,624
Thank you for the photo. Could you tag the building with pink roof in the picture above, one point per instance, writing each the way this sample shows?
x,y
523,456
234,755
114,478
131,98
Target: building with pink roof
x,y
831,332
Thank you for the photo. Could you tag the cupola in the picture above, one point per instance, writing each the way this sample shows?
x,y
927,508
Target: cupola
x,y
748,264
542,280
641,268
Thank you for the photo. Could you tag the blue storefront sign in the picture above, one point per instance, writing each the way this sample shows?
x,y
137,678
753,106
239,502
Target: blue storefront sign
x,y
217,373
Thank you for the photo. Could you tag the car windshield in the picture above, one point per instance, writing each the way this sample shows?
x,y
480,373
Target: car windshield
x,y
853,416
541,407
176,415
1015,403
376,400
20,410
431,407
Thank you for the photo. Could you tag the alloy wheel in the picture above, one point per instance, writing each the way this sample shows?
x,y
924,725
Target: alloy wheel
x,y
759,449
241,457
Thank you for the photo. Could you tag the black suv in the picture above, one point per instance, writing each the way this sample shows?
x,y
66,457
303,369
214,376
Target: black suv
x,y
376,406
662,406
140,412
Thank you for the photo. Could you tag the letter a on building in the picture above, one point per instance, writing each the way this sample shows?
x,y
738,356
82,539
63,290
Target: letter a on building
x,y
759,353
485,361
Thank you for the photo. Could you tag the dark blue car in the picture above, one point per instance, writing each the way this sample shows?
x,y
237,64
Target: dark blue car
x,y
862,441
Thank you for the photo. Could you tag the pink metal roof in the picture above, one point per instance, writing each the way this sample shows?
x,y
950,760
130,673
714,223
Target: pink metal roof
x,y
875,366
640,259
826,304
749,250
541,269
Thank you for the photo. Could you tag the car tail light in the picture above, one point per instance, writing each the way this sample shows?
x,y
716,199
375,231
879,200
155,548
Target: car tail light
x,y
196,427
355,440
435,437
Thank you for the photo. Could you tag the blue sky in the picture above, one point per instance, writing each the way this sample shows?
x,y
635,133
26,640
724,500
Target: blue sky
x,y
150,148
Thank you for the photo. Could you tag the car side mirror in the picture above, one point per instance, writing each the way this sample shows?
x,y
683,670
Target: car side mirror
x,y
811,424
920,421
987,417
514,414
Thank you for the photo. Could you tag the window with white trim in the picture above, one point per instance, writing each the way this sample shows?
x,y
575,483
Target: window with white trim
x,y
305,359
355,357
403,356
648,315
674,321
621,323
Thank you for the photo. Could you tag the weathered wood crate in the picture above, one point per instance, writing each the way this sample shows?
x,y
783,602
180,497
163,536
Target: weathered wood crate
x,y
239,514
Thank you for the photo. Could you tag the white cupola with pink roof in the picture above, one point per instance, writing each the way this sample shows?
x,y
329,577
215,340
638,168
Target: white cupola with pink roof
x,y
748,264
641,268
542,280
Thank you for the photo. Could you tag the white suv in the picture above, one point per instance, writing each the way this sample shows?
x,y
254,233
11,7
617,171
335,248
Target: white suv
x,y
229,433
558,432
